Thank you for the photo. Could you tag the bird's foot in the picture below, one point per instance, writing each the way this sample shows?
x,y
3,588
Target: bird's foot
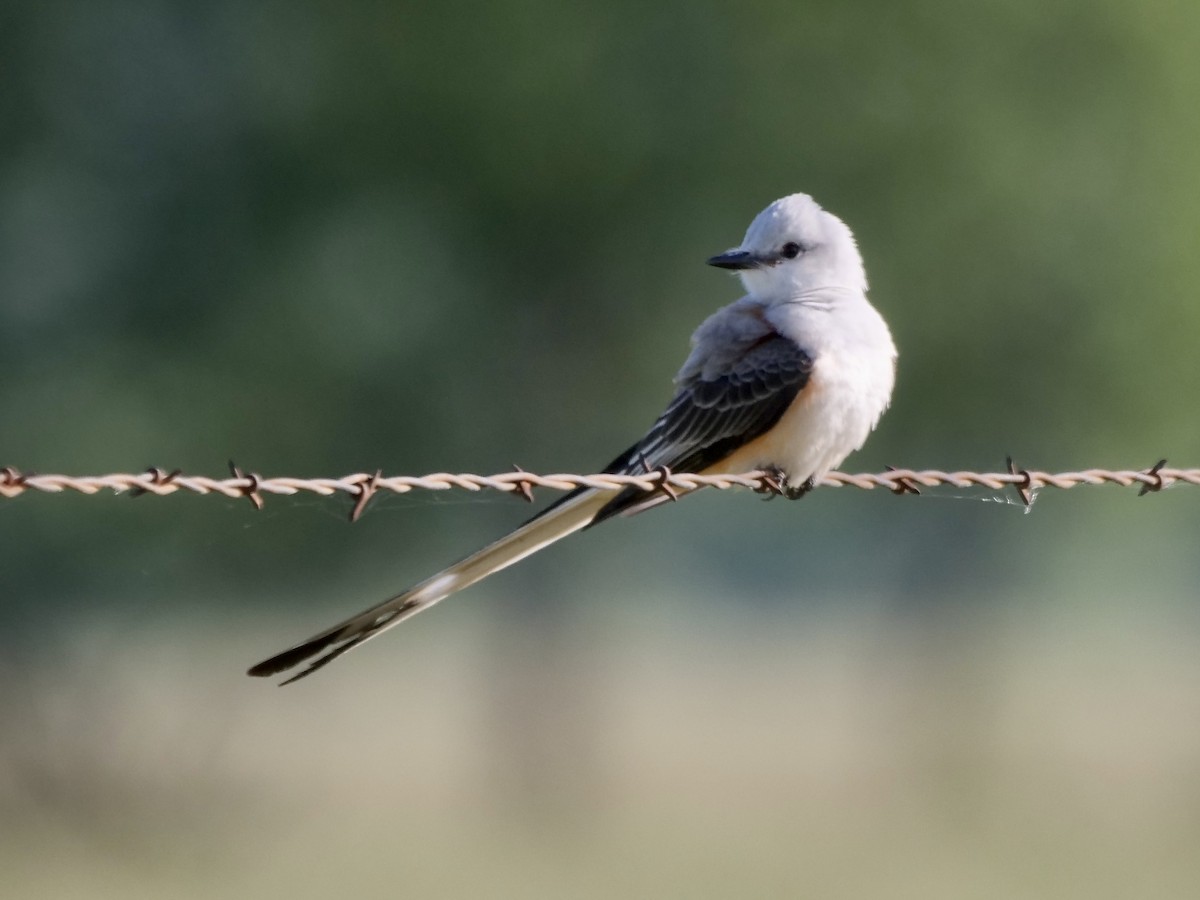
x,y
775,484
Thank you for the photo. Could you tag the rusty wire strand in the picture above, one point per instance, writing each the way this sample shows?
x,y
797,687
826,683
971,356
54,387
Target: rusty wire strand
x,y
363,485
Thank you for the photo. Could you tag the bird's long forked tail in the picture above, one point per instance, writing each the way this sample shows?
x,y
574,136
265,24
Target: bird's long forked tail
x,y
556,523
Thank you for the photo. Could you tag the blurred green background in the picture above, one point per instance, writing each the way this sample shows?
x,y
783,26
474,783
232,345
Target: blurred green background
x,y
324,238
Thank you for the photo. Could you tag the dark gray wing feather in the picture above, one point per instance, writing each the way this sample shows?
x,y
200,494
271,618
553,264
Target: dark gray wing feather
x,y
712,414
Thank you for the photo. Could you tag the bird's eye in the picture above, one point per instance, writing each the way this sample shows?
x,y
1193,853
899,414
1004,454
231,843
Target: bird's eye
x,y
790,250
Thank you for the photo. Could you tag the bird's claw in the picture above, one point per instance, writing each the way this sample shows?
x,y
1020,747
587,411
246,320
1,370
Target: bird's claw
x,y
774,483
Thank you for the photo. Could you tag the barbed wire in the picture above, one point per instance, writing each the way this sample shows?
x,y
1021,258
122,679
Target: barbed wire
x,y
363,486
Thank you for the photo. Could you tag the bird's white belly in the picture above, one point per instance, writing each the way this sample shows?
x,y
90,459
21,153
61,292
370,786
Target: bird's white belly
x,y
829,419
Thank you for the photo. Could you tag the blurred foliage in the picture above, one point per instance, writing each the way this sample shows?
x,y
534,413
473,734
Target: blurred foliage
x,y
320,238
454,236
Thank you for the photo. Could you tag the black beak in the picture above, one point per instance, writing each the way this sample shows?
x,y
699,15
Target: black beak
x,y
736,260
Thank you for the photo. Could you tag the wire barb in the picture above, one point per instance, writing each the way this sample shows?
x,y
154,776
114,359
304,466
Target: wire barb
x,y
12,482
248,484
156,478
1157,485
903,485
522,487
1024,486
366,490
663,484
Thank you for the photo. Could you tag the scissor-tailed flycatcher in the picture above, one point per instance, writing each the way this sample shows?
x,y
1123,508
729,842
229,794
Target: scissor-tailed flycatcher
x,y
790,378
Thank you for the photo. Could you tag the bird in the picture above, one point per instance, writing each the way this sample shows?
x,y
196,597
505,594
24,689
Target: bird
x,y
787,380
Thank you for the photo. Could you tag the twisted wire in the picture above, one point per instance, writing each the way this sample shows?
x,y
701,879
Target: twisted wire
x,y
159,482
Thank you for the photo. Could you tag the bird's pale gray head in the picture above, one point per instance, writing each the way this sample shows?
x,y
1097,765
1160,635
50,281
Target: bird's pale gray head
x,y
793,247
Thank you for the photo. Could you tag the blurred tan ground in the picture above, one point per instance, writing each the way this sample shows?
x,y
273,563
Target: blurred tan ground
x,y
828,754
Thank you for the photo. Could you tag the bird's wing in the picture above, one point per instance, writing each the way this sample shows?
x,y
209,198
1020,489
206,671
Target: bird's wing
x,y
713,413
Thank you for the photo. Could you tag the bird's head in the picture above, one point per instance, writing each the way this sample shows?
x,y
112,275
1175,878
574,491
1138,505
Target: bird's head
x,y
794,247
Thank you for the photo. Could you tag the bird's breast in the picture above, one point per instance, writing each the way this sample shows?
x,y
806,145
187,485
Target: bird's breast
x,y
830,418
